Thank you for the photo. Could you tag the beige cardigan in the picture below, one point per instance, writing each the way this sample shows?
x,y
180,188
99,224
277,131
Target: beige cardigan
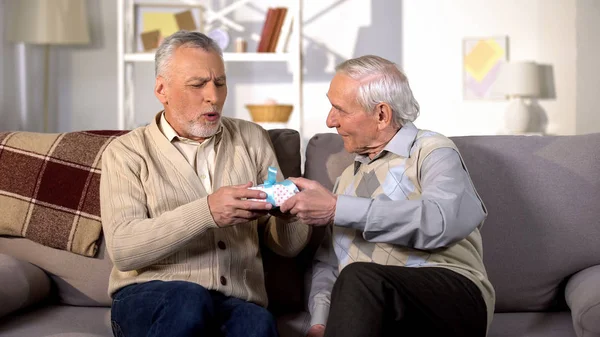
x,y
157,222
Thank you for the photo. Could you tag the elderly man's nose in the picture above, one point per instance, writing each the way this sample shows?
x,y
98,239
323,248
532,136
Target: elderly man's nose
x,y
332,119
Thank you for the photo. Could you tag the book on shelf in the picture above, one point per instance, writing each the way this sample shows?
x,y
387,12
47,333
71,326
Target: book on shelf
x,y
281,13
267,29
272,31
284,35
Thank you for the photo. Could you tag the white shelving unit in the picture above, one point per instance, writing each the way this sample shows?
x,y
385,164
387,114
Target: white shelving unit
x,y
127,55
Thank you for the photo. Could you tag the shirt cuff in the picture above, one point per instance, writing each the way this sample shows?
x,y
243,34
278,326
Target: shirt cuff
x,y
320,314
351,212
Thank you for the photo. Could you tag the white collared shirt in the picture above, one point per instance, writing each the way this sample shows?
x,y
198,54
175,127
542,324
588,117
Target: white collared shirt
x,y
201,156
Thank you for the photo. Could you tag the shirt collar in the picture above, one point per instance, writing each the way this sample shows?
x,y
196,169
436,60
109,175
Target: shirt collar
x,y
167,129
403,141
172,135
400,145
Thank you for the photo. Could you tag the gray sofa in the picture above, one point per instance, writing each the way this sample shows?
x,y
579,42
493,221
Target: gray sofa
x,y
541,244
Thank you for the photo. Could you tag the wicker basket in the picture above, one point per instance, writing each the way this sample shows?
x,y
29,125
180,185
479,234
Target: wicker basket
x,y
274,113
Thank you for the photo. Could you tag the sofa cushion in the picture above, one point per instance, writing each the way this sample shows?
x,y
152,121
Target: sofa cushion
x,y
532,324
49,188
542,195
68,321
583,297
58,321
22,284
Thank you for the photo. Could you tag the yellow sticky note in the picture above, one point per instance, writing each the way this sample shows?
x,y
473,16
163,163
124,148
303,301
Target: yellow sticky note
x,y
165,22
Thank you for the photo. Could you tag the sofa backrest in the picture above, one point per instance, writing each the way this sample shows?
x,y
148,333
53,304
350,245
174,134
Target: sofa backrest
x,y
284,277
83,281
543,199
326,158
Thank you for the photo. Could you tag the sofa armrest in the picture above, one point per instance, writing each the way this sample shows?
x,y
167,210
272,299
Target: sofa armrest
x,y
23,284
583,297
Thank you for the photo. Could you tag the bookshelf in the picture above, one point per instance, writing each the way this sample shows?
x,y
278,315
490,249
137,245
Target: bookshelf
x,y
229,57
127,55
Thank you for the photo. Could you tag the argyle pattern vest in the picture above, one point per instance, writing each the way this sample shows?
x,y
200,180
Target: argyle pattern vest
x,y
392,177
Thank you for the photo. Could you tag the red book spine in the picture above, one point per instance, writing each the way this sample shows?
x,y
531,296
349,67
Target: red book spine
x,y
282,12
263,44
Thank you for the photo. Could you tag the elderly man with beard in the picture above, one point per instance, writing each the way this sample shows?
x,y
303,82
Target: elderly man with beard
x,y
179,224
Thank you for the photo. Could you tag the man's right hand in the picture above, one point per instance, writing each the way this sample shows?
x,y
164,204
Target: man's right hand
x,y
228,208
317,330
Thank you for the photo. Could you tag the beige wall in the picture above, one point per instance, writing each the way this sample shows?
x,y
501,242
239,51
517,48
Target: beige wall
x,y
588,66
425,37
539,30
9,114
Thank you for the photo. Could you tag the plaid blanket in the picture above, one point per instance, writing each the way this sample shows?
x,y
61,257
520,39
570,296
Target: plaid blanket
x,y
49,187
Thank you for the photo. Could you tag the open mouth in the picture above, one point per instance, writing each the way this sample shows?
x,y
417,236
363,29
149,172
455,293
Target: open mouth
x,y
211,116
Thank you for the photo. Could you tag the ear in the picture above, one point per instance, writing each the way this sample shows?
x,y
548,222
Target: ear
x,y
385,115
160,89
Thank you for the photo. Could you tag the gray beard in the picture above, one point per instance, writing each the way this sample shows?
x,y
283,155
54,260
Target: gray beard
x,y
204,131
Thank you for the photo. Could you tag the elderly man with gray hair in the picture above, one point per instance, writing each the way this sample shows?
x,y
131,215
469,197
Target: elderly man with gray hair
x,y
402,254
179,224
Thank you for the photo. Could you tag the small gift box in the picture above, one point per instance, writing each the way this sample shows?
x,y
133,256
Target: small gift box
x,y
277,193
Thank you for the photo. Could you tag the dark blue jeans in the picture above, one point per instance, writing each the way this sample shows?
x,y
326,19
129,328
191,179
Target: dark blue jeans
x,y
179,308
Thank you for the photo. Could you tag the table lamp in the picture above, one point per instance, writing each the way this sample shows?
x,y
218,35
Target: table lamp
x,y
45,22
519,81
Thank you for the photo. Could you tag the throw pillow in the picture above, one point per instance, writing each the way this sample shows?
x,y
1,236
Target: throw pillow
x,y
49,187
23,284
583,298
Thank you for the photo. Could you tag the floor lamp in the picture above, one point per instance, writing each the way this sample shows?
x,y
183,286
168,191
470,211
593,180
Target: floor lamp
x,y
44,22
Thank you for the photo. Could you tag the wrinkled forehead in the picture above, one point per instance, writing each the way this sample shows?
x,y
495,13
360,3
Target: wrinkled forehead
x,y
190,61
343,87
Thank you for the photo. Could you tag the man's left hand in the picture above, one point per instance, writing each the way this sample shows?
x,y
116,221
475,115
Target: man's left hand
x,y
313,205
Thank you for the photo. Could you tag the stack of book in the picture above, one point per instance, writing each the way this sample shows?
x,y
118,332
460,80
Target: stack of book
x,y
276,31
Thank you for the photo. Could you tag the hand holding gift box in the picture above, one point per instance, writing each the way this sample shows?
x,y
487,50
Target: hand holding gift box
x,y
277,193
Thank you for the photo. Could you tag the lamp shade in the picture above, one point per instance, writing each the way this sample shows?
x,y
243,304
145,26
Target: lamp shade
x,y
519,79
48,22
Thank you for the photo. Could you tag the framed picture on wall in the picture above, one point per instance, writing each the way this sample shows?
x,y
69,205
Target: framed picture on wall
x,y
154,22
482,59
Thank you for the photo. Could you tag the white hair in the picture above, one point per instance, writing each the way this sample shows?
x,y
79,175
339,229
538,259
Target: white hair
x,y
182,38
382,81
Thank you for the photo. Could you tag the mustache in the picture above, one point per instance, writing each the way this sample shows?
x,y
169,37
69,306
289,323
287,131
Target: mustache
x,y
213,109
